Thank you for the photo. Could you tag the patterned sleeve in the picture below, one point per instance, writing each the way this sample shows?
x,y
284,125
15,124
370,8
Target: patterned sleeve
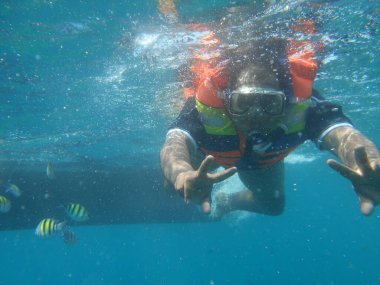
x,y
322,117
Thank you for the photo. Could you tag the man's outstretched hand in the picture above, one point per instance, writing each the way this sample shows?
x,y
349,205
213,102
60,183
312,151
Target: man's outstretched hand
x,y
196,185
365,179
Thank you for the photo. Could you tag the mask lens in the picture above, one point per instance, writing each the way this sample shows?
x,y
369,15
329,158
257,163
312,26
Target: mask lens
x,y
272,102
241,102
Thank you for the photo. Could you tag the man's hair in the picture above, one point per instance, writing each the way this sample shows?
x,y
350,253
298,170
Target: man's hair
x,y
256,74
261,63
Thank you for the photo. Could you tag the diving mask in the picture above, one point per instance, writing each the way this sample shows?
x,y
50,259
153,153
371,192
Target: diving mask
x,y
246,99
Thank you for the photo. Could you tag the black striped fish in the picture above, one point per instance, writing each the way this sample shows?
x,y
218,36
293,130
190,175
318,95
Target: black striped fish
x,y
77,212
5,204
49,227
50,170
69,237
13,189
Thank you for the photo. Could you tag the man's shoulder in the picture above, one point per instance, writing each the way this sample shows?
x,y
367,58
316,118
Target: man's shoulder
x,y
319,105
323,114
317,98
188,118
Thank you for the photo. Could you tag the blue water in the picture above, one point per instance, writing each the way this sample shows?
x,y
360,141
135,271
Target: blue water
x,y
88,85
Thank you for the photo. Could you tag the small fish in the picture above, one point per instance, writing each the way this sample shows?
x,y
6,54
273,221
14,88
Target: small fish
x,y
50,170
77,212
13,189
69,237
5,204
73,28
49,227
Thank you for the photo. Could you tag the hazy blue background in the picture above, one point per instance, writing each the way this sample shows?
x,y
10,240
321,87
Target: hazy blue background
x,y
88,85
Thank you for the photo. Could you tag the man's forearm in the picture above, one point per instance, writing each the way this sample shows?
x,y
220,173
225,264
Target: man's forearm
x,y
344,140
175,156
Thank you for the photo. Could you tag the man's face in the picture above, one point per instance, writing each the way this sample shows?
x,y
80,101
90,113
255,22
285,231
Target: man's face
x,y
257,122
256,108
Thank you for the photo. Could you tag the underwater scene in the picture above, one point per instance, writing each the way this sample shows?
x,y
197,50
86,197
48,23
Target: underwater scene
x,y
88,90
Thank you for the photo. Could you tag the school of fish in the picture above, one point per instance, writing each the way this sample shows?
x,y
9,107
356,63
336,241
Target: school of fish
x,y
47,227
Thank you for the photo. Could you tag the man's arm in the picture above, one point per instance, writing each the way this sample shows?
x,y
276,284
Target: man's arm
x,y
194,185
175,155
168,10
361,166
343,141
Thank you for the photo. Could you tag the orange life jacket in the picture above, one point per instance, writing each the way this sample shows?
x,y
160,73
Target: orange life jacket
x,y
211,79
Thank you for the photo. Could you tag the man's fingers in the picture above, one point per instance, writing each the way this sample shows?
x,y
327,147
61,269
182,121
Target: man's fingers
x,y
206,206
377,169
342,169
362,160
186,196
222,175
205,165
366,206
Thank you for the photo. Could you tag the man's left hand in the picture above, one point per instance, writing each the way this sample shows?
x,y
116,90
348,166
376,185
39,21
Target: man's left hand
x,y
365,179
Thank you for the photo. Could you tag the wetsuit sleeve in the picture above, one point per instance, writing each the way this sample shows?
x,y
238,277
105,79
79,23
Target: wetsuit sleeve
x,y
322,117
188,121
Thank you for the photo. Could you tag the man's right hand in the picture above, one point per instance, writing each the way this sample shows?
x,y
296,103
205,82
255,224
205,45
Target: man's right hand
x,y
196,185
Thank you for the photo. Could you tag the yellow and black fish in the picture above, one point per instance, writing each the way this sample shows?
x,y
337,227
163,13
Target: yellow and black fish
x,y
50,170
5,204
49,227
77,212
13,189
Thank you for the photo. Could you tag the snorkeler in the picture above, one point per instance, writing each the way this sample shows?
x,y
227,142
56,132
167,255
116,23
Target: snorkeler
x,y
248,112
